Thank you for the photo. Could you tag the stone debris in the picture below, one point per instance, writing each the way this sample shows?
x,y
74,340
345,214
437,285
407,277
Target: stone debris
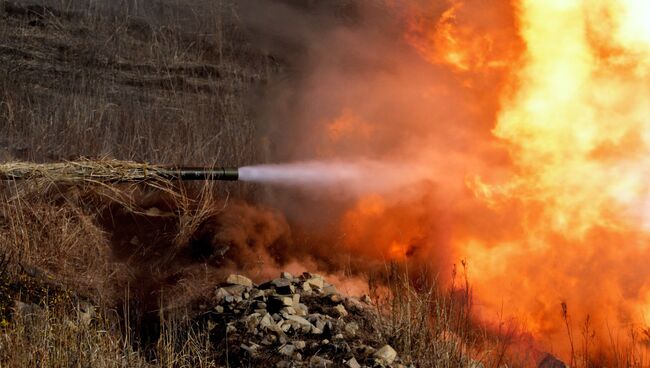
x,y
386,354
352,363
295,321
239,280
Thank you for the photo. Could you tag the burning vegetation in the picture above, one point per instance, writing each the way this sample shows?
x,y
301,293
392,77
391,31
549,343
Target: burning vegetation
x,y
479,168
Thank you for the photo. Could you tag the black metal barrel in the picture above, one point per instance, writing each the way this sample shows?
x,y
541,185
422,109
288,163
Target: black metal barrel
x,y
198,173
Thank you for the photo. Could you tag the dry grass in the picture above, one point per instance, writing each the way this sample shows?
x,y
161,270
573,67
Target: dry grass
x,y
89,171
433,326
166,85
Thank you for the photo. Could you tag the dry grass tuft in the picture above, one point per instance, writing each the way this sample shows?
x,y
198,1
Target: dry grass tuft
x,y
90,171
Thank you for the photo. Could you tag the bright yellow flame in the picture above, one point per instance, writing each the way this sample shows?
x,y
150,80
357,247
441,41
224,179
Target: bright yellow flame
x,y
570,123
578,130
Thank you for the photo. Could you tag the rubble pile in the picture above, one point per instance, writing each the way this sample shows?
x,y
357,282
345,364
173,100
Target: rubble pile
x,y
295,322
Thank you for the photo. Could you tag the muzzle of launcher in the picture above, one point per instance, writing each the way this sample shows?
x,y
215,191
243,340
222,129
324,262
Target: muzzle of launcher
x,y
198,173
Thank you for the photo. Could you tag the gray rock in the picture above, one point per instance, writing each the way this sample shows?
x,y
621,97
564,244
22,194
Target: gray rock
x,y
287,310
257,294
301,310
319,362
268,340
251,349
287,350
340,310
284,326
278,302
386,354
283,286
351,329
352,363
315,282
300,344
252,321
220,294
235,290
239,280
306,287
266,321
299,320
329,290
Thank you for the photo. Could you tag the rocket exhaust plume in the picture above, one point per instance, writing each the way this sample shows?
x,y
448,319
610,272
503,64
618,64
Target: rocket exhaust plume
x,y
354,177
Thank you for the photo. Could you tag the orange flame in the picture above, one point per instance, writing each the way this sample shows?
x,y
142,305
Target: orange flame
x,y
570,223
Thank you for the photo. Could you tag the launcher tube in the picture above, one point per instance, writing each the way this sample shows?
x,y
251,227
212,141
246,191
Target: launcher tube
x,y
226,173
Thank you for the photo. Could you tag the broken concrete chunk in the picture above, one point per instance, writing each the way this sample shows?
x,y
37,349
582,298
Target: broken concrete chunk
x,y
235,290
306,287
340,310
315,282
301,310
283,286
239,280
266,321
386,354
352,363
298,319
282,301
220,294
287,310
